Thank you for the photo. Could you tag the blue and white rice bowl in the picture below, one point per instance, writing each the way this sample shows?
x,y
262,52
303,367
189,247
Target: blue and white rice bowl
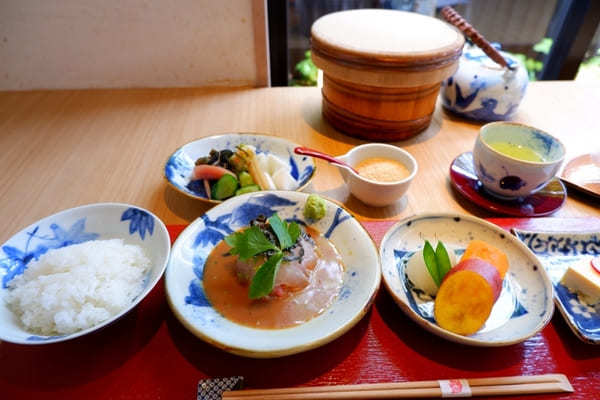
x,y
100,221
185,292
180,165
524,306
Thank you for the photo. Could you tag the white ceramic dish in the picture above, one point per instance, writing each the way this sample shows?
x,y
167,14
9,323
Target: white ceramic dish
x,y
179,166
185,293
374,193
525,304
556,251
76,225
583,173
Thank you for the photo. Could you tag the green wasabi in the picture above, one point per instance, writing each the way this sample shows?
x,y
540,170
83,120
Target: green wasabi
x,y
315,207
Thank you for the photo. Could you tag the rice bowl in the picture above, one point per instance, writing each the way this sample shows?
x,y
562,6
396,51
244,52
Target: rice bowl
x,y
80,225
79,286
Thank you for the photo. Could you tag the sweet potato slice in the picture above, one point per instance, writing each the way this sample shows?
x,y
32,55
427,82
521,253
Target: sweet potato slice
x,y
489,253
466,296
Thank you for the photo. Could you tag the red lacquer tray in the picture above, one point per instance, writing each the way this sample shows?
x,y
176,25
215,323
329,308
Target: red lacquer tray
x,y
150,355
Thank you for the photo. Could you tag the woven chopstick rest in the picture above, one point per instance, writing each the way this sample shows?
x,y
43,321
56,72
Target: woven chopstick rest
x,y
212,389
455,19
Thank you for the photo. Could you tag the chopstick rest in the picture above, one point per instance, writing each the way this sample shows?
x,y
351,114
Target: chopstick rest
x,y
212,389
495,386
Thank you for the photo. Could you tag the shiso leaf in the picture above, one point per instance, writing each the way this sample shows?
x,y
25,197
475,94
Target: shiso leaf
x,y
443,260
294,231
252,242
282,230
264,279
431,263
249,243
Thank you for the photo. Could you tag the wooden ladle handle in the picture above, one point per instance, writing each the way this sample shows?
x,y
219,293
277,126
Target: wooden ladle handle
x,y
458,21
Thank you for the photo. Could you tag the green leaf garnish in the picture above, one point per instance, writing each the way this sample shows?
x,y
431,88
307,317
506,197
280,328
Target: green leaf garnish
x,y
431,263
252,242
443,260
294,231
437,262
287,234
264,279
249,243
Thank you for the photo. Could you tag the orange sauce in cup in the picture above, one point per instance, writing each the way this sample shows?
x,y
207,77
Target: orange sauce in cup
x,y
382,169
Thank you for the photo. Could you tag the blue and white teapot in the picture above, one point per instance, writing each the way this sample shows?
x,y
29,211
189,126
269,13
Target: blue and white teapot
x,y
483,90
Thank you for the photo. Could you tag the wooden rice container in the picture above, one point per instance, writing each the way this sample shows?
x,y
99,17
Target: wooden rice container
x,y
382,70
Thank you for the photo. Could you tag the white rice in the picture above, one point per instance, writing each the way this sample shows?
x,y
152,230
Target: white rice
x,y
78,286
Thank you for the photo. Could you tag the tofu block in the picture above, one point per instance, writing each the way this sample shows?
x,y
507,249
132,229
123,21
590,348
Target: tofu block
x,y
584,279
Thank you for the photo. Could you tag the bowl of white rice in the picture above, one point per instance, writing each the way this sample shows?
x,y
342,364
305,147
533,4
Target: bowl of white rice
x,y
76,271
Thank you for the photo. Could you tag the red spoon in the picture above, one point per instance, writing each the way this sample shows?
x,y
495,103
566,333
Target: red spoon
x,y
305,151
596,264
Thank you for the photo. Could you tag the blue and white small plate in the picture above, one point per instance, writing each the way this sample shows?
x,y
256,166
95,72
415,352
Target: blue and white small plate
x,y
556,251
99,221
524,306
180,164
185,292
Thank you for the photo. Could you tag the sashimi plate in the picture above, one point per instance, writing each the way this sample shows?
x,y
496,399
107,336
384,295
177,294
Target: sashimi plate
x,y
556,251
524,306
184,276
178,168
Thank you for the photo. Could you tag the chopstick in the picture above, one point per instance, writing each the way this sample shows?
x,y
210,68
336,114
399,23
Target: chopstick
x,y
512,385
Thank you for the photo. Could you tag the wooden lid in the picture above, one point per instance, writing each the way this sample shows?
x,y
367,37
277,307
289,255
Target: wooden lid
x,y
388,41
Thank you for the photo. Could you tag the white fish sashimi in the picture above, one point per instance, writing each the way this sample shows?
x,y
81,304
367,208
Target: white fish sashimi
x,y
292,276
295,274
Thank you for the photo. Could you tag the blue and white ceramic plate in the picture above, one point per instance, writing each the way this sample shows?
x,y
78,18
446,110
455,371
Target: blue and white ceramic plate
x,y
77,225
557,251
524,306
184,275
180,164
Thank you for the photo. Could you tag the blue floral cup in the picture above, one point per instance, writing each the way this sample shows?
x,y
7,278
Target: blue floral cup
x,y
514,160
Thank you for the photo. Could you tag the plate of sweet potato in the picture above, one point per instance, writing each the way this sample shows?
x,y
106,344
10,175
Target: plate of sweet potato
x,y
465,279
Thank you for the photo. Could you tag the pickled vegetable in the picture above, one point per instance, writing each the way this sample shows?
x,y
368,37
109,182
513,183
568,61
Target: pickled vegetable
x,y
225,187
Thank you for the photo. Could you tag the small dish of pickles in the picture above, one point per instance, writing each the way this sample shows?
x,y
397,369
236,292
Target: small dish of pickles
x,y
219,167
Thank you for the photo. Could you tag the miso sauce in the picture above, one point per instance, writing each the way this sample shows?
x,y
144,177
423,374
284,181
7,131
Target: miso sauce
x,y
382,169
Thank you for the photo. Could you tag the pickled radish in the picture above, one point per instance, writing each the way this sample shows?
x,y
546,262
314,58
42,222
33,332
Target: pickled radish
x,y
210,172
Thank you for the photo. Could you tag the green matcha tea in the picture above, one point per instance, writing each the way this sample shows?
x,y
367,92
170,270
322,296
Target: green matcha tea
x,y
517,151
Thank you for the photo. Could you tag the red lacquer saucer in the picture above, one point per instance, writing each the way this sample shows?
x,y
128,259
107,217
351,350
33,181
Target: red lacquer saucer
x,y
545,202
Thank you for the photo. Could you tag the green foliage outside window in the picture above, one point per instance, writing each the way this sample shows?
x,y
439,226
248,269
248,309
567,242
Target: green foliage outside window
x,y
305,72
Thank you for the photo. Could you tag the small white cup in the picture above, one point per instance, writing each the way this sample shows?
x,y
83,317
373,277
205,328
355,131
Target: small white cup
x,y
506,176
371,192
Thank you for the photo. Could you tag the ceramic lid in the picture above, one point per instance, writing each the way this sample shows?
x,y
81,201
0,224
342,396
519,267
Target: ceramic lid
x,y
374,36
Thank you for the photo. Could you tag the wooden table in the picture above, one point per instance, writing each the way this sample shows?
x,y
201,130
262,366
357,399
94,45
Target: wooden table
x,y
66,148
